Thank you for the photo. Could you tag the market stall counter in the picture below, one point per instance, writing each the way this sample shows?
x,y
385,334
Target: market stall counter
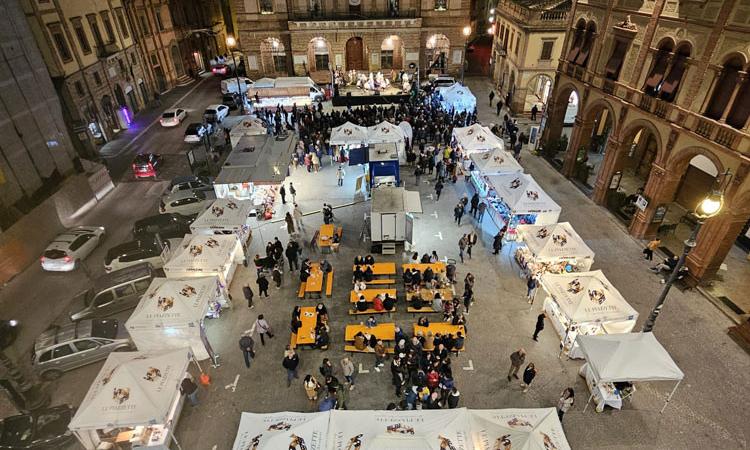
x,y
202,256
585,303
553,248
135,400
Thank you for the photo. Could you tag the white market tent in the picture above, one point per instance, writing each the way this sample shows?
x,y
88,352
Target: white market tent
x,y
226,216
202,256
556,242
132,389
171,313
386,133
274,430
407,130
349,134
477,138
249,126
495,162
458,97
517,429
629,357
523,195
585,303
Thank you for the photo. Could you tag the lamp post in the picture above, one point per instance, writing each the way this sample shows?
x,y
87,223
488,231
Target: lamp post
x,y
466,32
231,42
707,208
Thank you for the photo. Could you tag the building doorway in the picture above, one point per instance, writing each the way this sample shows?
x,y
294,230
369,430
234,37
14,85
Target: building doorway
x,y
177,60
119,96
436,54
537,92
589,156
355,54
560,120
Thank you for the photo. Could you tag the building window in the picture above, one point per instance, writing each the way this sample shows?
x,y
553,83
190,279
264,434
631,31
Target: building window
x,y
145,30
661,62
575,48
441,5
668,88
159,23
95,30
133,59
122,66
279,63
121,21
724,86
321,62
60,43
518,43
108,27
154,60
97,79
266,6
547,50
614,65
386,59
588,42
83,40
79,88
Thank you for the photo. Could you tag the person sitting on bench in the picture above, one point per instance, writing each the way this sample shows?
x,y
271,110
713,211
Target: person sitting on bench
x,y
304,274
425,259
359,260
377,303
423,321
416,302
369,259
407,277
325,266
416,277
358,274
359,286
388,302
361,304
368,274
428,275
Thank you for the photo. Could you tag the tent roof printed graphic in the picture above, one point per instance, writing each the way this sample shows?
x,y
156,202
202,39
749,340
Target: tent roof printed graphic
x,y
458,97
477,138
280,430
522,194
517,429
495,162
384,132
174,302
203,253
348,134
132,389
224,214
559,240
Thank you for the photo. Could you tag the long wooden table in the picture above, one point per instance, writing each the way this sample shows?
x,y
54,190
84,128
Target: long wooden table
x,y
379,269
428,294
383,331
370,294
309,319
440,327
438,267
314,283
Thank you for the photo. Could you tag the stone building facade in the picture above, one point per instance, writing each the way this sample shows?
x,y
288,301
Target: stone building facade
x,y
528,42
89,49
661,112
298,37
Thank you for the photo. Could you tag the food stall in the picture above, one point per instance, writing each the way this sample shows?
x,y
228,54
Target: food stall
x,y
228,216
388,133
614,362
511,429
134,402
274,431
516,199
204,256
352,142
255,169
555,248
247,126
476,138
493,162
585,303
457,98
383,164
171,315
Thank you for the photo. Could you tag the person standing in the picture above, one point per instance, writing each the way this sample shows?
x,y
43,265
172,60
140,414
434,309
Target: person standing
x,y
289,223
517,359
528,376
248,293
468,298
474,205
534,111
453,397
492,96
276,275
190,390
297,213
565,402
246,345
291,253
438,189
282,192
648,252
481,208
315,162
311,387
348,368
498,107
417,174
294,193
290,363
263,328
262,285
462,247
380,355
458,212
471,241
340,174
539,326
531,284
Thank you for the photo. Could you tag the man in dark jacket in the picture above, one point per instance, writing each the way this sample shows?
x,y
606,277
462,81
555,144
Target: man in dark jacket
x,y
438,189
248,293
458,212
290,363
262,285
539,326
474,205
246,345
189,389
497,243
292,254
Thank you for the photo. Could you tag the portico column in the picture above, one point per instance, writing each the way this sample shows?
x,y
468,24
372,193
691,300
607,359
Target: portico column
x,y
714,241
580,131
741,78
660,189
611,155
554,123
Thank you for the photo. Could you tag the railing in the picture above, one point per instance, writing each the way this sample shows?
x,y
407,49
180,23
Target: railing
x,y
308,16
526,16
106,50
689,121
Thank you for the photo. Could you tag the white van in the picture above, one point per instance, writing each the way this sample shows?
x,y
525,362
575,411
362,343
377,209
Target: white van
x,y
229,86
284,87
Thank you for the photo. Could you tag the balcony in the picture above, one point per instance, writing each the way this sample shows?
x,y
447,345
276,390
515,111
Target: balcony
x,y
321,16
347,21
547,19
106,50
690,121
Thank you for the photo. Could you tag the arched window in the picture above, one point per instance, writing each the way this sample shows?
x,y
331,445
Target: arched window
x,y
614,64
577,41
273,55
588,42
723,88
318,54
661,62
668,89
740,111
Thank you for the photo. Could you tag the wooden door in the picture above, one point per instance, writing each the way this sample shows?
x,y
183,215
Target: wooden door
x,y
355,54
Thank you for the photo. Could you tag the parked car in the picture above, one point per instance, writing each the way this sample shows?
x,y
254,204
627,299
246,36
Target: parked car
x,y
41,429
168,226
146,249
65,252
230,101
220,69
185,182
195,131
112,293
215,113
172,117
187,202
146,165
67,347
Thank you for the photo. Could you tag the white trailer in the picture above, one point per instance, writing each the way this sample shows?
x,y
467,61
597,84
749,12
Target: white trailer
x,y
391,219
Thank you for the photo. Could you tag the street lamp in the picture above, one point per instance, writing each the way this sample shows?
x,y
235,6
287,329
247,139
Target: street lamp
x,y
466,32
707,208
231,42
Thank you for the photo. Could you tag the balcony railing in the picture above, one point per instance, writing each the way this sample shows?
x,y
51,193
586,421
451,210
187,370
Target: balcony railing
x,y
526,16
311,16
107,50
690,121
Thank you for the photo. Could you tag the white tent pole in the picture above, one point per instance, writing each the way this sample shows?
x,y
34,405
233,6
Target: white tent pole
x,y
588,401
196,363
669,398
562,346
175,440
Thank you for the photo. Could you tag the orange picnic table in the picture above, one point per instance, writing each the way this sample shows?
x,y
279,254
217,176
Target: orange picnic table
x,y
370,294
437,267
379,269
440,327
309,319
383,331
429,294
314,283
325,237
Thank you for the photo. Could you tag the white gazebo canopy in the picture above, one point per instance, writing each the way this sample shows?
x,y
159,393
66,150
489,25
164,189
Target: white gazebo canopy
x,y
406,129
170,312
249,126
477,138
523,195
384,132
272,431
517,429
458,97
200,256
225,214
495,162
349,134
554,242
132,389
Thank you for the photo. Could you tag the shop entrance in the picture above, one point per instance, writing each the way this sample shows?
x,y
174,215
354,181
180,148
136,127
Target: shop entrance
x,y
594,132
355,49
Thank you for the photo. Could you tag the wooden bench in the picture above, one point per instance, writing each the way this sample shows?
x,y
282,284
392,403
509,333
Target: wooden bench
x,y
329,284
293,341
340,232
381,281
301,293
425,310
353,349
354,312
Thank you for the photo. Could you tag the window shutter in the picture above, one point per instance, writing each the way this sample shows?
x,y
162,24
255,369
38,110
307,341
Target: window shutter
x,y
612,69
673,78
